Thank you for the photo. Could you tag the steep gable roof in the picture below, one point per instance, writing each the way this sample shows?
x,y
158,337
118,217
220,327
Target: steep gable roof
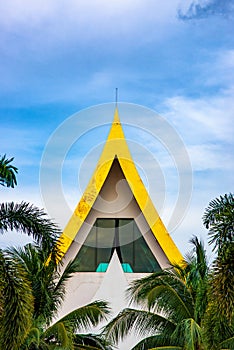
x,y
116,147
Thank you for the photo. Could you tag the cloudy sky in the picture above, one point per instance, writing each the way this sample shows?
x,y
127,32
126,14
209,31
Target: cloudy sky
x,y
172,62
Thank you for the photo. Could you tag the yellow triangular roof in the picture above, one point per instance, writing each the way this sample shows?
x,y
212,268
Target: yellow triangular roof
x,y
116,146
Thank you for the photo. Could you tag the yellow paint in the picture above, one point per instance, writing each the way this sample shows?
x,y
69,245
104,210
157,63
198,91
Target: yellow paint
x,y
116,146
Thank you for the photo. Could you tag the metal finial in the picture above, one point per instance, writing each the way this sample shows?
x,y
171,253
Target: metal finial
x,y
116,96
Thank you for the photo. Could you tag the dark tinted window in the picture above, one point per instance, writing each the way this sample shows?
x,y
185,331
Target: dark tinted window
x,y
123,235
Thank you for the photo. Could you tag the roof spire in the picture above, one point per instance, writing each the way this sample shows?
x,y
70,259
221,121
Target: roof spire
x,y
116,97
116,114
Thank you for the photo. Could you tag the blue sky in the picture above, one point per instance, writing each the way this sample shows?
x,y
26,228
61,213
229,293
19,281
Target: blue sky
x,y
176,58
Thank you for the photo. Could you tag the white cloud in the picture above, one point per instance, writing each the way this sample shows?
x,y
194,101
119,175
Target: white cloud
x,y
210,157
216,72
206,126
204,119
40,11
91,18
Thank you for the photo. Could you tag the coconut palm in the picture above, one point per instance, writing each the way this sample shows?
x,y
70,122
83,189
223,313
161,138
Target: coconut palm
x,y
169,314
219,318
16,299
173,306
16,303
7,172
62,334
31,288
48,289
219,219
167,318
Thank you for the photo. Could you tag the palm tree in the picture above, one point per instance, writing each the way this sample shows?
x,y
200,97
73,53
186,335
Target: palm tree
x,y
31,288
62,334
173,306
16,303
219,318
16,299
219,219
169,316
24,217
7,172
48,289
28,219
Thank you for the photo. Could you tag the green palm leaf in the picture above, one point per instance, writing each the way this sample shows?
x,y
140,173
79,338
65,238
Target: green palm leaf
x,y
86,316
16,303
143,323
59,336
166,299
190,333
62,278
159,341
33,337
194,272
163,292
28,219
139,289
7,172
42,277
91,341
227,344
219,219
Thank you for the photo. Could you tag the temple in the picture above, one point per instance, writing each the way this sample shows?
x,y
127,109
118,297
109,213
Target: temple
x,y
115,231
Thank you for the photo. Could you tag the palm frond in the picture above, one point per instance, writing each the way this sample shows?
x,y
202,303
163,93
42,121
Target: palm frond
x,y
195,274
199,257
139,289
227,344
218,320
59,290
91,341
163,292
159,341
167,299
219,219
33,337
142,322
42,277
16,303
190,333
7,172
222,281
88,315
60,335
28,219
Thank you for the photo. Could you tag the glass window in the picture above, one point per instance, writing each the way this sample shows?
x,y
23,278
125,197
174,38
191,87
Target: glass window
x,y
122,235
134,249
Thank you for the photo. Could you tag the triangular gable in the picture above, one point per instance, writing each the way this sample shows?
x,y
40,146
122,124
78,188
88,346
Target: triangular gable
x,y
116,146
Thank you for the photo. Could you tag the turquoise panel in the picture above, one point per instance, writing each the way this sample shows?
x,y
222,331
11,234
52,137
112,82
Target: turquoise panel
x,y
126,267
102,267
